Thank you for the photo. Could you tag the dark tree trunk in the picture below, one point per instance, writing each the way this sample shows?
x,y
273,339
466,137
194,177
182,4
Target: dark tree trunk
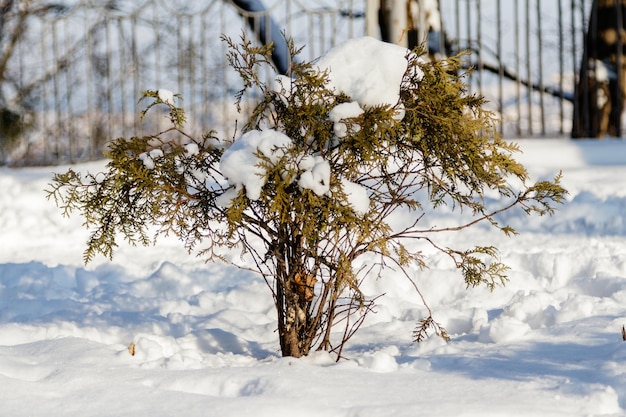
x,y
601,86
438,45
294,320
294,293
268,31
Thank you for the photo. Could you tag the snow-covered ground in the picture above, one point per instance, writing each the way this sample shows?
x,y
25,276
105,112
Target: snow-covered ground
x,y
547,344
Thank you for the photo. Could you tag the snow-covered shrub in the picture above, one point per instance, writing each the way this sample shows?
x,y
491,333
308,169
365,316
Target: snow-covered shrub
x,y
309,186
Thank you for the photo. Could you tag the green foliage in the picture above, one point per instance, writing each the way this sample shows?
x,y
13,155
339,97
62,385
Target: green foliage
x,y
444,151
421,331
177,114
129,197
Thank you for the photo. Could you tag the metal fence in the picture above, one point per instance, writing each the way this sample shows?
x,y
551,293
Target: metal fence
x,y
75,72
527,55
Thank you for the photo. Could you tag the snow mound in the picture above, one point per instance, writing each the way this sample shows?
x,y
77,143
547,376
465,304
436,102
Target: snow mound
x,y
369,82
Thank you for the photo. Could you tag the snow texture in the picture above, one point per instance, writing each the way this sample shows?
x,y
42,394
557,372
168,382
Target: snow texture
x,y
316,175
191,149
547,344
148,157
241,164
357,196
166,96
341,112
367,70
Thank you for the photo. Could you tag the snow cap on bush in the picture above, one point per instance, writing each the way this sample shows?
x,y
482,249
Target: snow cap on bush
x,y
369,82
241,163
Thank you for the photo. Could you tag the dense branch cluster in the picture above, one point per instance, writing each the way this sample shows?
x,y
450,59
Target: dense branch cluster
x,y
312,182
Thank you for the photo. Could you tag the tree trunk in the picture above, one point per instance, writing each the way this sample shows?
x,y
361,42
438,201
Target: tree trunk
x,y
294,293
293,320
268,31
392,17
601,86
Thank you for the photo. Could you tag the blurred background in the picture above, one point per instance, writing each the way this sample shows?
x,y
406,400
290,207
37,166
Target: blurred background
x,y
71,72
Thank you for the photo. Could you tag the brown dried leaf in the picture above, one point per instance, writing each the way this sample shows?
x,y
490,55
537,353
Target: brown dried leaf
x,y
306,286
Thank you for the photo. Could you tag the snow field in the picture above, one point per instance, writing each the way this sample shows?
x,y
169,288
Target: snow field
x,y
548,343
159,332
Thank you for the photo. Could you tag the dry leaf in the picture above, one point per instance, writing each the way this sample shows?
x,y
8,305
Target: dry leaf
x,y
306,286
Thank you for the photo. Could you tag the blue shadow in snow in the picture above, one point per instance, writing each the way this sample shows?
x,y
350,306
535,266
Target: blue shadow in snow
x,y
572,365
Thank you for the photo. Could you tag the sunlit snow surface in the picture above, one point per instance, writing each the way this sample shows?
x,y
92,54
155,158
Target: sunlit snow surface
x,y
203,335
547,344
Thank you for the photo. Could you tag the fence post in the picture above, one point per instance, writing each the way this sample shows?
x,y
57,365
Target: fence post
x,y
371,18
393,21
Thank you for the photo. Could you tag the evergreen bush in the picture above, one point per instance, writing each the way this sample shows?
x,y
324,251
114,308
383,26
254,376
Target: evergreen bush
x,y
311,184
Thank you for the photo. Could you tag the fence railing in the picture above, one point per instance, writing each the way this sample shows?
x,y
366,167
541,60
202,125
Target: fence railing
x,y
75,72
527,55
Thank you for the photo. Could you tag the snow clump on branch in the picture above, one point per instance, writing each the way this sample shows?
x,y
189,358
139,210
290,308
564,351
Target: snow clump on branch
x,y
166,96
370,72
